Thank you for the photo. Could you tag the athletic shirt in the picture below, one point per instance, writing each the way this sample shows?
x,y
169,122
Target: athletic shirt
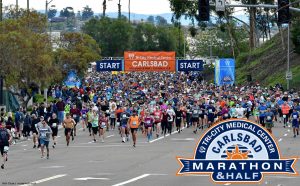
x,y
157,116
95,120
148,120
89,114
4,137
295,116
134,122
102,121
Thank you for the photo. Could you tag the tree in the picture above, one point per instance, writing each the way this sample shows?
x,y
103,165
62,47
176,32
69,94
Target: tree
x,y
150,19
75,52
161,21
87,13
113,36
52,13
67,12
26,54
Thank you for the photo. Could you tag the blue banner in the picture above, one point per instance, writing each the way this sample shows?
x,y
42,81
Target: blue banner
x,y
109,65
225,72
72,80
189,65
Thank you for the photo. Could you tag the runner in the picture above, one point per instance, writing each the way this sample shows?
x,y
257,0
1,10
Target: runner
x,y
84,122
269,115
285,108
148,121
102,125
5,141
75,113
211,111
44,133
157,120
34,131
179,118
68,124
133,124
53,123
195,116
95,123
123,122
295,122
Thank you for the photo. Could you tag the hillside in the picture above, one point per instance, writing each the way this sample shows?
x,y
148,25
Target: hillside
x,y
268,64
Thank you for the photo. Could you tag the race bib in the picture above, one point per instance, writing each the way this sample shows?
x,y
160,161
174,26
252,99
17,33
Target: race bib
x,y
272,105
226,115
54,125
103,124
178,117
269,118
124,116
84,116
195,112
200,112
148,122
74,116
156,117
295,116
43,135
210,111
284,116
134,123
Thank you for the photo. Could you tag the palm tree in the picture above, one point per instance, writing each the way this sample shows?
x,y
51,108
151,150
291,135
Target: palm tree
x,y
119,9
104,7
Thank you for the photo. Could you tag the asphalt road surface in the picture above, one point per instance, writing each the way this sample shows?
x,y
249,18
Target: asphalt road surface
x,y
114,163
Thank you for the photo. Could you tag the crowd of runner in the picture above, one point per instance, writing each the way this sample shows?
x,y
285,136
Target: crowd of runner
x,y
155,104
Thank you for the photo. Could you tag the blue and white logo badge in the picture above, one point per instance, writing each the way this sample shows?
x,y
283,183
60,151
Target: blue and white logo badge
x,y
237,151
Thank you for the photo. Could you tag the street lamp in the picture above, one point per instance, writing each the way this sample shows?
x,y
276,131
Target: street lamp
x,y
46,12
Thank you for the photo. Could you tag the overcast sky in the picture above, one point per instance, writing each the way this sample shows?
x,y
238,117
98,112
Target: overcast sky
x,y
137,6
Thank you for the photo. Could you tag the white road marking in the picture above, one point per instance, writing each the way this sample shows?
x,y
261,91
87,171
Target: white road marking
x,y
90,178
24,145
200,175
45,179
109,136
183,139
285,134
103,146
289,130
162,137
280,140
53,167
25,149
132,180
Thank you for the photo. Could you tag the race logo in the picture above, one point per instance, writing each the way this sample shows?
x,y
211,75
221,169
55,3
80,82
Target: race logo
x,y
237,151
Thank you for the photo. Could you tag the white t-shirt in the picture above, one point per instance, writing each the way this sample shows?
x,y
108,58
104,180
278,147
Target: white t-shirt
x,y
240,112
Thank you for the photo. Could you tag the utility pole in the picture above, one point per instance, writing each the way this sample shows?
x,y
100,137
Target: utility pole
x,y
28,5
17,9
288,56
129,10
1,14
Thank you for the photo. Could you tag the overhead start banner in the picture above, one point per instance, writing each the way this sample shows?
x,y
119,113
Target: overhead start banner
x,y
109,65
149,61
189,65
225,72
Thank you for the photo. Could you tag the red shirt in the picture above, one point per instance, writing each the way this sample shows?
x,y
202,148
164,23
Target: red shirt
x,y
157,116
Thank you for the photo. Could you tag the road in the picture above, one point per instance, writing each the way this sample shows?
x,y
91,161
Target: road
x,y
114,163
